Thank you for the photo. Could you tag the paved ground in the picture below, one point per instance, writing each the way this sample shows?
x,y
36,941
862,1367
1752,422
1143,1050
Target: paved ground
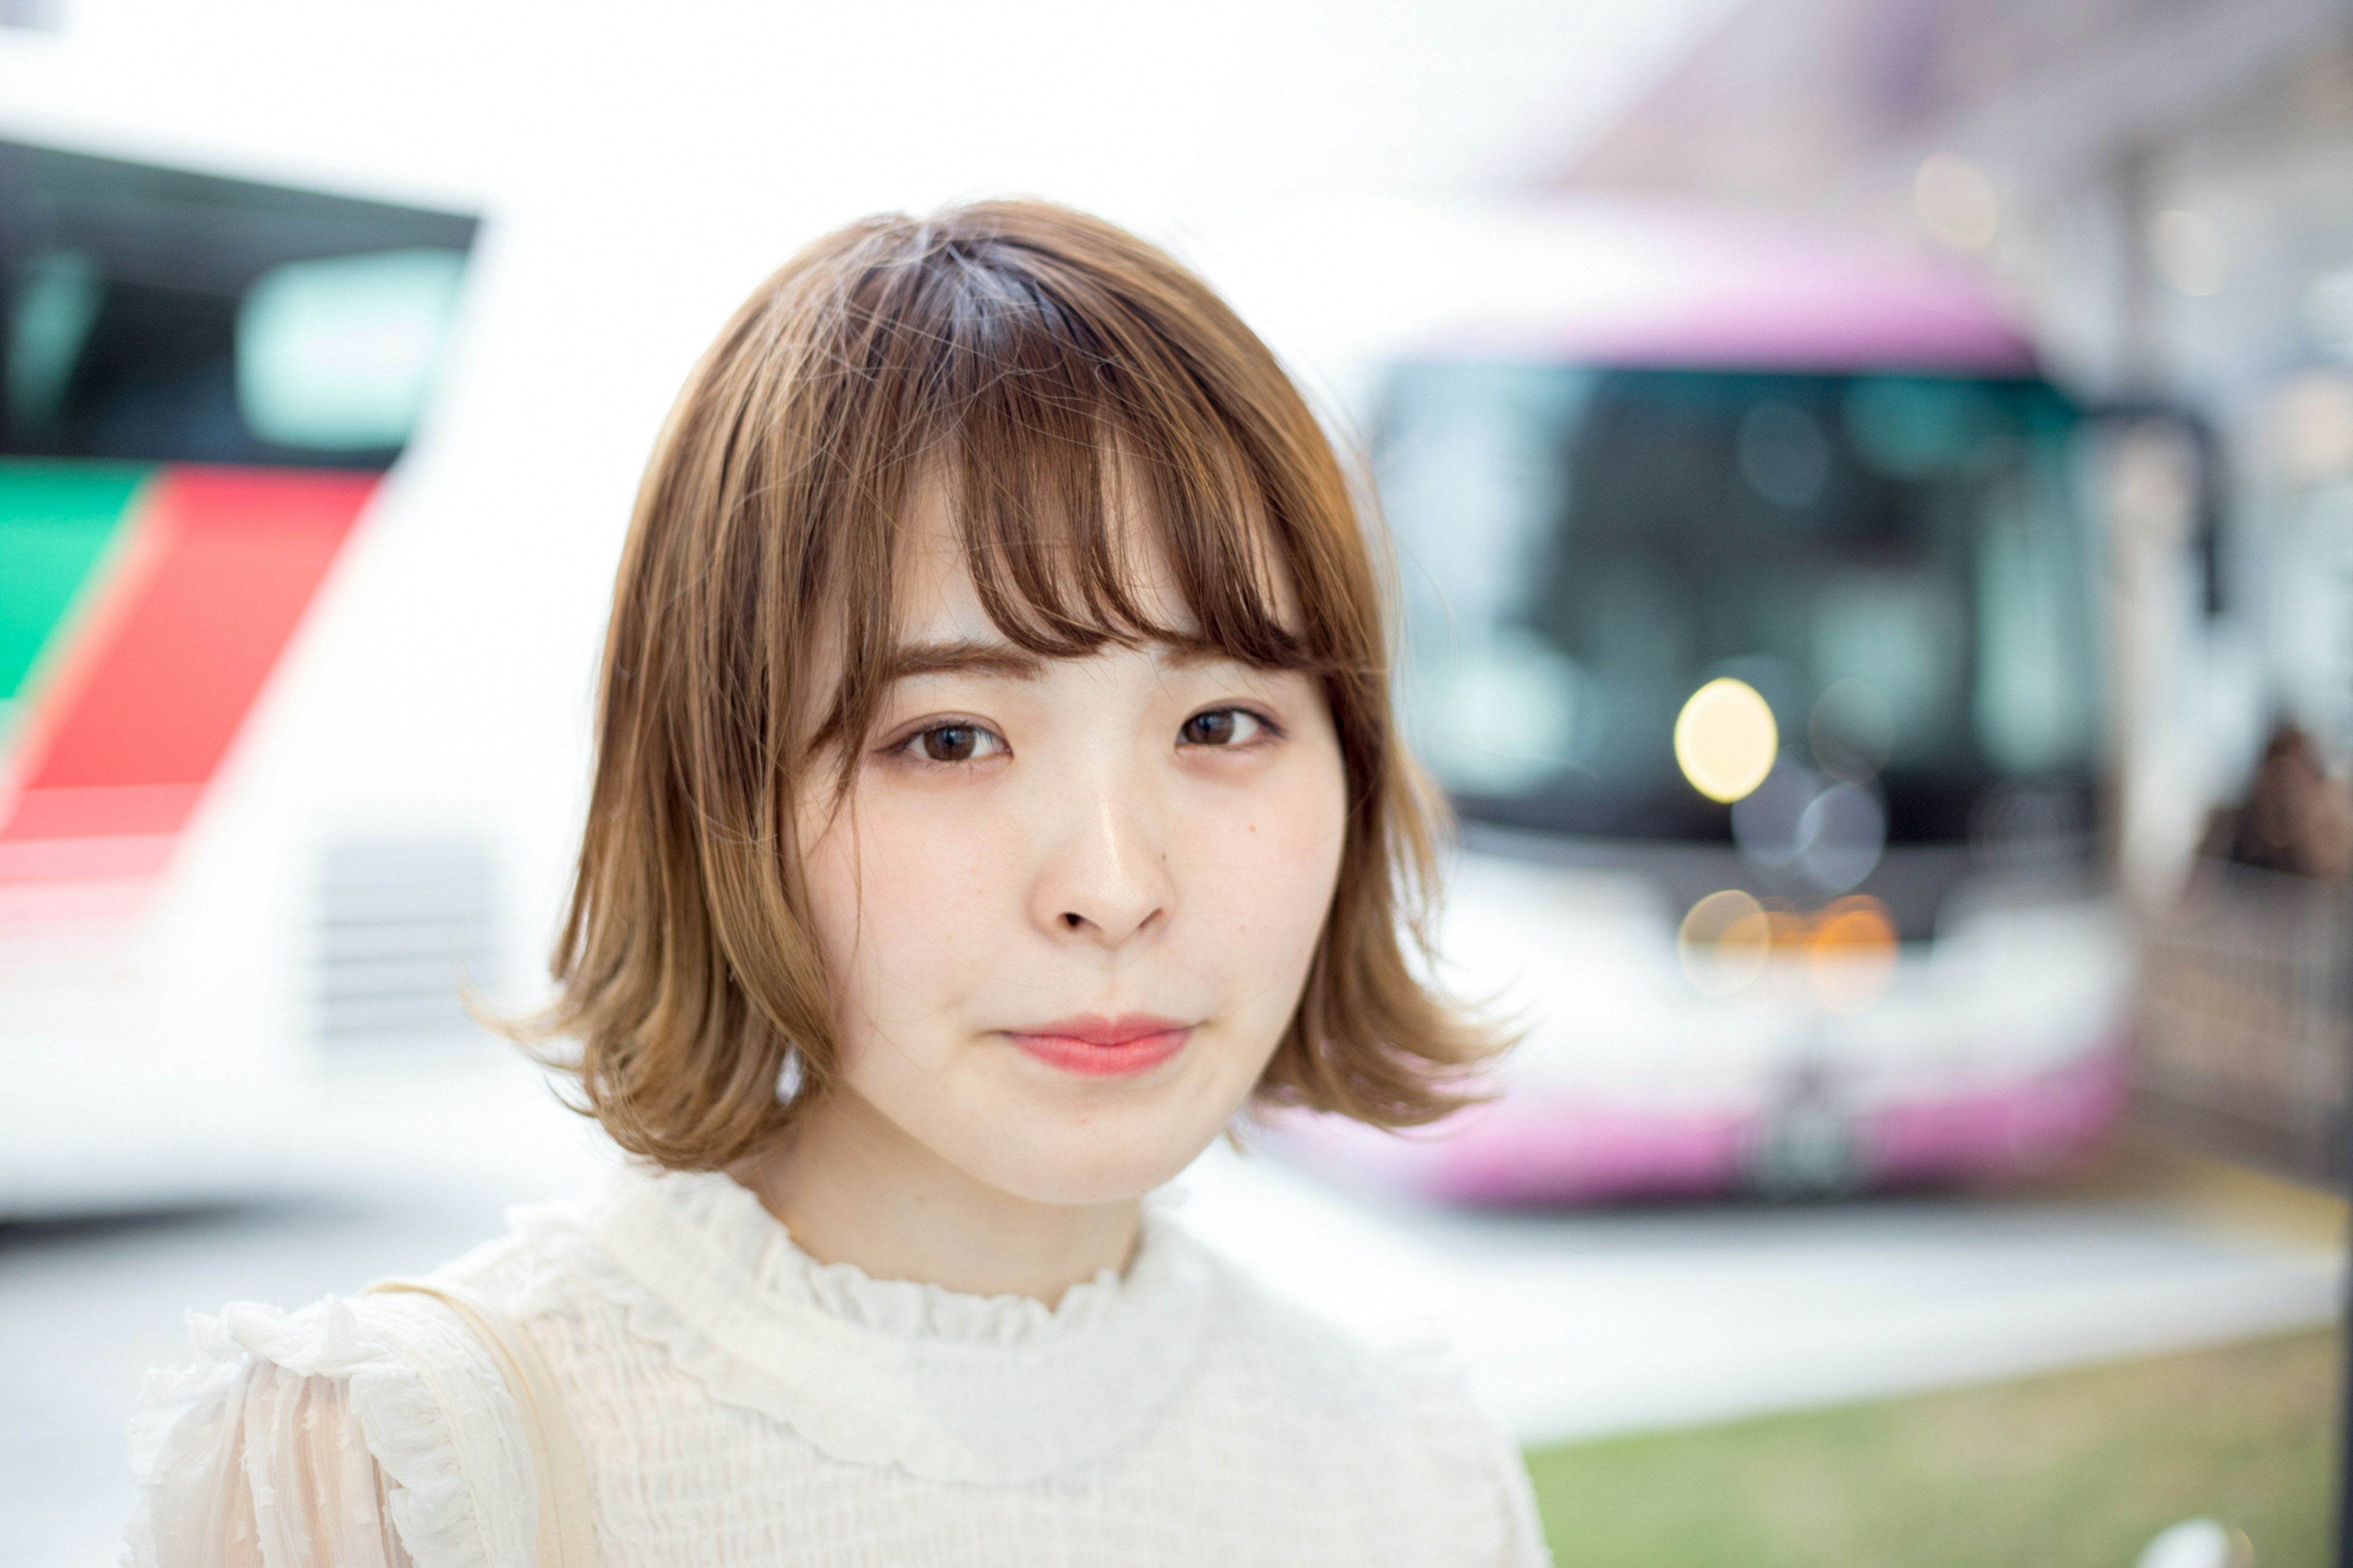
x,y
1570,1324
1581,1324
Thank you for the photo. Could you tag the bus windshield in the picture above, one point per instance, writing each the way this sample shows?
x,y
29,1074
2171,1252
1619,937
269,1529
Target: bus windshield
x,y
161,315
1894,564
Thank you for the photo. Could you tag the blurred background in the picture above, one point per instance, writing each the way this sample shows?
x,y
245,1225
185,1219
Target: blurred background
x,y
1873,484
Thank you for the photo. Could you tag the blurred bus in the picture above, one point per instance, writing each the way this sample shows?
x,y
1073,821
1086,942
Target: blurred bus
x,y
207,380
1755,631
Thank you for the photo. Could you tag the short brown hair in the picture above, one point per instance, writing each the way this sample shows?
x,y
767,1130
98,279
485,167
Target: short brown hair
x,y
1043,363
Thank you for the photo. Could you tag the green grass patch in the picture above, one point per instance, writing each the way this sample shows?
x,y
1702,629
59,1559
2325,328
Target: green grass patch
x,y
2074,1469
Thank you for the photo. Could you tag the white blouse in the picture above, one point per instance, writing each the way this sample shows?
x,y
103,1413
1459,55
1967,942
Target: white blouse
x,y
738,1402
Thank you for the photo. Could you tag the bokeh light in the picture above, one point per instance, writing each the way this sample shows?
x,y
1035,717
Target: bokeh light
x,y
2198,1543
1724,941
1955,201
1725,739
1851,954
1841,835
1841,955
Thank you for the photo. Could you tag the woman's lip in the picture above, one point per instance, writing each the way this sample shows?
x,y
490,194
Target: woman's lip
x,y
1108,1048
1094,1029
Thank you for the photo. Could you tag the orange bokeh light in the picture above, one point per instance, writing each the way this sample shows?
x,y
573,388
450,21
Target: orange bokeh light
x,y
1851,952
1846,951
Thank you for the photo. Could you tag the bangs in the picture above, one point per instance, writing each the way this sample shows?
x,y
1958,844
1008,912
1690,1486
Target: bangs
x,y
1077,449
1066,471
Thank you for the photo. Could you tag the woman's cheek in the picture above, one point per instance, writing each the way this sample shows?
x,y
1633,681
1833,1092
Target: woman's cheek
x,y
1278,889
930,873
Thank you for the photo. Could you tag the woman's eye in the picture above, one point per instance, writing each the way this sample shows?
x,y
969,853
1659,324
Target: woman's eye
x,y
953,744
1220,727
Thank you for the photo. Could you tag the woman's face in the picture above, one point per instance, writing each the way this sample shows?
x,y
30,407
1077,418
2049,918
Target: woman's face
x,y
1069,905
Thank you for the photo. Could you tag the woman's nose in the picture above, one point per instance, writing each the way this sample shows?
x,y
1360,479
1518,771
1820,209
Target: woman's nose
x,y
1104,874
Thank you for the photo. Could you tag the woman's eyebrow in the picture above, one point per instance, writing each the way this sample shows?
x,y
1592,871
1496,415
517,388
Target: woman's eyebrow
x,y
966,656
1192,654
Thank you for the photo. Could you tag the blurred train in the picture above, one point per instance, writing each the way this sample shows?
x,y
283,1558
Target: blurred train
x,y
1753,581
1753,630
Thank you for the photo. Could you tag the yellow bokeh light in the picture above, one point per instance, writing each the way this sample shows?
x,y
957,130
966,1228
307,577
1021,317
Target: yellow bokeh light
x,y
1725,739
1955,201
1724,941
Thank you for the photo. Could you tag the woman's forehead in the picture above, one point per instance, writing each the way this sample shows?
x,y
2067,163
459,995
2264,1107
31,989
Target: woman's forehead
x,y
1110,576
939,600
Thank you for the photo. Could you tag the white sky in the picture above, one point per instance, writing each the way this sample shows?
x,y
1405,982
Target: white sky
x,y
1160,114
672,153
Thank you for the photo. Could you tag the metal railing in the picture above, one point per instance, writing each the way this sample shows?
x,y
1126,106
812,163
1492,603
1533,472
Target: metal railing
x,y
2245,1018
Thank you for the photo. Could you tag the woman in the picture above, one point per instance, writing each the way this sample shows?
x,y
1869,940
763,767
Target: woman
x,y
995,795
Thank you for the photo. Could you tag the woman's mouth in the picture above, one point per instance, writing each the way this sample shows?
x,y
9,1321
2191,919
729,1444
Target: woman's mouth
x,y
1096,1047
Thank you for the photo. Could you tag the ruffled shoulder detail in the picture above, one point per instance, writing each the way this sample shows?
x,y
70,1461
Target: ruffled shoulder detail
x,y
941,1385
434,1412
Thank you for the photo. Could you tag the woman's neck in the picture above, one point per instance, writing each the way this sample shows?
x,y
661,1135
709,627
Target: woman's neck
x,y
853,1187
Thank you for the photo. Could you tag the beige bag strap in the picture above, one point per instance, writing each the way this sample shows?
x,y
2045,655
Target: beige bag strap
x,y
565,1537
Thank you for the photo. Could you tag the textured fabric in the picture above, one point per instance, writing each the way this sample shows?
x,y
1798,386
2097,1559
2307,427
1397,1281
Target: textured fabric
x,y
738,1402
359,1433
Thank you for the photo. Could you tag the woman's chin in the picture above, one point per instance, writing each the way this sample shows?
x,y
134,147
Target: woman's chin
x,y
1091,1166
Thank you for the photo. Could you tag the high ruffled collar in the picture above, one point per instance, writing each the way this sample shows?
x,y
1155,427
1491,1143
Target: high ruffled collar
x,y
936,1382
